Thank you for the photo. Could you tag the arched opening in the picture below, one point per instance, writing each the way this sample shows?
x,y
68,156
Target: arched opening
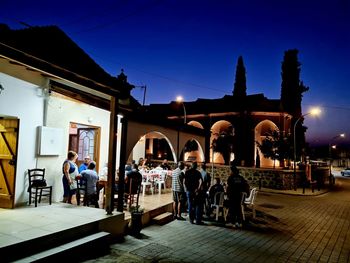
x,y
153,146
196,124
222,142
262,130
192,151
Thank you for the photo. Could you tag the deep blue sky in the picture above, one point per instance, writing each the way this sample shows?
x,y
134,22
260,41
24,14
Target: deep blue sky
x,y
190,48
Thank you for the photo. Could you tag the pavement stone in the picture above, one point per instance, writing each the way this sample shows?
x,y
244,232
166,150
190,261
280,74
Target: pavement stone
x,y
288,228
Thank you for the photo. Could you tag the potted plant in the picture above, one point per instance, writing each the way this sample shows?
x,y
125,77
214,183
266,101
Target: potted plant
x,y
135,224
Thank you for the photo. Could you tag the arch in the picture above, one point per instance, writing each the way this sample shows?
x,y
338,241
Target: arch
x,y
262,129
145,147
196,124
220,127
193,153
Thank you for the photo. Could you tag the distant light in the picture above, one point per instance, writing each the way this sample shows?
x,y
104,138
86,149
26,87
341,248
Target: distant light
x,y
179,99
334,146
342,135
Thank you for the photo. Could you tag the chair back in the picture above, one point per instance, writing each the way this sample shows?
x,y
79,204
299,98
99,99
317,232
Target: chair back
x,y
36,177
81,185
134,186
219,198
251,199
243,197
163,175
81,190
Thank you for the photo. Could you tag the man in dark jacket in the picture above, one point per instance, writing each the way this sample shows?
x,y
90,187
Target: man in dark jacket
x,y
193,182
236,186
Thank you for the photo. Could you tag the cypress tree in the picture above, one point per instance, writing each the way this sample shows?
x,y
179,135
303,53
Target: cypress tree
x,y
240,86
292,88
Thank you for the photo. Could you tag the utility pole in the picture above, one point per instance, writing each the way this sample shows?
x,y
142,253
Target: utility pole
x,y
144,87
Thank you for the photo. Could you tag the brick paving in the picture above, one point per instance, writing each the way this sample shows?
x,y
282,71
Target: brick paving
x,y
288,228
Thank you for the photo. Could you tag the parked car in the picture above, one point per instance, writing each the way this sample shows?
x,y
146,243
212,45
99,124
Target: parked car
x,y
345,172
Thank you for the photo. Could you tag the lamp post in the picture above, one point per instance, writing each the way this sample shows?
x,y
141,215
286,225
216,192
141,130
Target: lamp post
x,y
179,99
330,146
315,112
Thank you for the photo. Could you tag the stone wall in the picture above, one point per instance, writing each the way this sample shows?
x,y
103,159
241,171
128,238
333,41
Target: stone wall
x,y
269,178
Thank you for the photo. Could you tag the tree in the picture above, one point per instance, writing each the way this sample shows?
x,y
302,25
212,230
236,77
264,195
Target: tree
x,y
224,144
276,146
240,86
292,90
191,146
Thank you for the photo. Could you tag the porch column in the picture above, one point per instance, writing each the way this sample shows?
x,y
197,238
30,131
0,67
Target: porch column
x,y
207,134
123,157
112,154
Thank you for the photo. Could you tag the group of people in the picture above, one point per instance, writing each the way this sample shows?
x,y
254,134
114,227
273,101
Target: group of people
x,y
192,187
85,173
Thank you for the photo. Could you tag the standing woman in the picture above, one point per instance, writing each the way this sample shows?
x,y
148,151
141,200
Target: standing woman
x,y
70,171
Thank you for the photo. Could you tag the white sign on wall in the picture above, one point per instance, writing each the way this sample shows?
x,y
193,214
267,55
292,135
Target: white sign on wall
x,y
50,140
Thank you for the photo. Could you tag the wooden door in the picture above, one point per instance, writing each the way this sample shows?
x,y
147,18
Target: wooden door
x,y
88,144
8,160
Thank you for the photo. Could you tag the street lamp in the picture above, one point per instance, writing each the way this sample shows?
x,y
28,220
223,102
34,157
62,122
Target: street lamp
x,y
180,99
314,112
330,147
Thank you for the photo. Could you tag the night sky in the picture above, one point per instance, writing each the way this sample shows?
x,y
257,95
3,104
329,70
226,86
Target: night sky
x,y
190,48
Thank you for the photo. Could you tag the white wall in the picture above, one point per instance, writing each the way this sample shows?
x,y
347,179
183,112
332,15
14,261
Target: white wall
x,y
62,111
25,101
139,149
22,100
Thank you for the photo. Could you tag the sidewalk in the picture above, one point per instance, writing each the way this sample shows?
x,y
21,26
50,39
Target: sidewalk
x,y
298,191
289,227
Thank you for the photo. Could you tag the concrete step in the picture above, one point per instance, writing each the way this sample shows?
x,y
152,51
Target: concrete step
x,y
163,219
96,244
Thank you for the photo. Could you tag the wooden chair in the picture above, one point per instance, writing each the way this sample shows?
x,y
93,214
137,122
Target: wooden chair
x,y
81,194
133,192
37,186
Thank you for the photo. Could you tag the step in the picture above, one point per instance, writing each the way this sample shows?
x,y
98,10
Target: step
x,y
163,219
83,248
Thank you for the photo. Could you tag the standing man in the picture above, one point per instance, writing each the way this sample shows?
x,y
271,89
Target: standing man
x,y
204,189
85,164
193,182
236,186
178,190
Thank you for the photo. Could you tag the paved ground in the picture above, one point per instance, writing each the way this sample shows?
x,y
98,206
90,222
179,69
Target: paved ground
x,y
288,228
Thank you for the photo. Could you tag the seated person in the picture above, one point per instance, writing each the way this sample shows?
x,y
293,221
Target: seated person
x,y
165,165
215,188
91,178
136,177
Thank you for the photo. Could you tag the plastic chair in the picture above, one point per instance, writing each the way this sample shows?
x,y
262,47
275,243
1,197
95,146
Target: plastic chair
x,y
161,181
218,204
37,186
147,183
250,201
